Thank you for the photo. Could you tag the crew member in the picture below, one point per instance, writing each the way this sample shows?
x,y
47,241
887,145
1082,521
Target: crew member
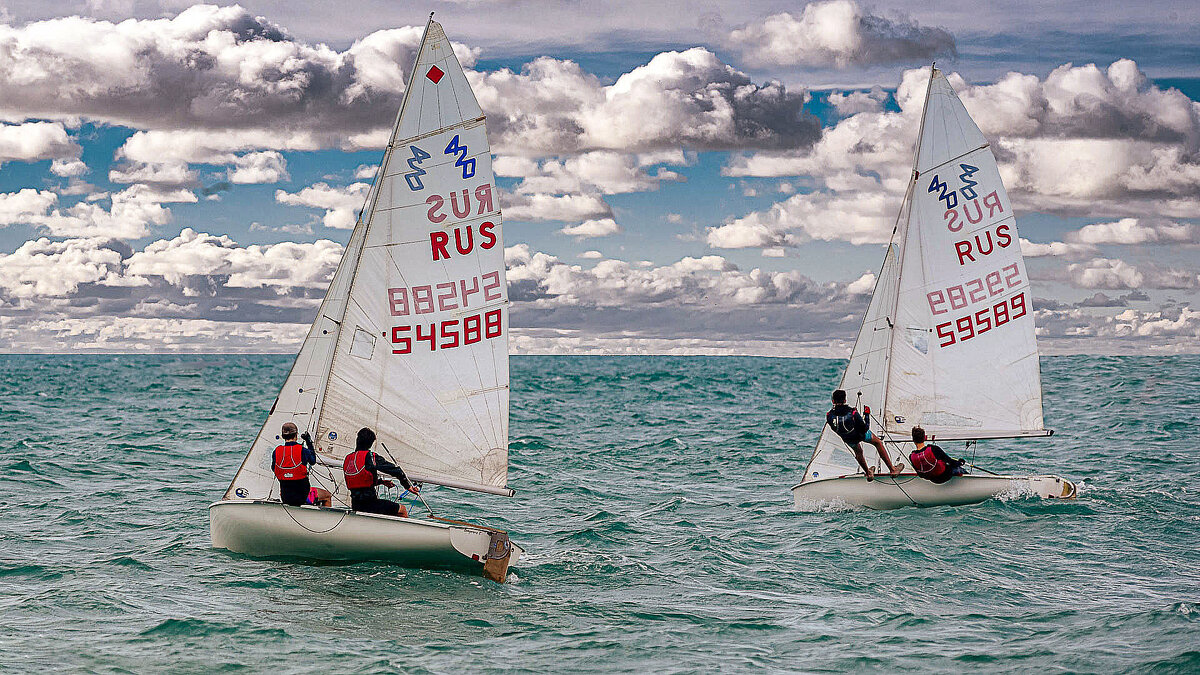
x,y
853,429
290,462
362,469
931,463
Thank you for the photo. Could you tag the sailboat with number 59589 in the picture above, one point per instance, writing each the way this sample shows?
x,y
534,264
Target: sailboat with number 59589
x,y
948,340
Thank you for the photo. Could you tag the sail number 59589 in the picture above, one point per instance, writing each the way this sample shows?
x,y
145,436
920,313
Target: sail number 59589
x,y
977,323
448,334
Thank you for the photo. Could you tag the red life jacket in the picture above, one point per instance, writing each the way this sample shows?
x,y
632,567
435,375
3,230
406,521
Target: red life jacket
x,y
357,474
289,463
926,464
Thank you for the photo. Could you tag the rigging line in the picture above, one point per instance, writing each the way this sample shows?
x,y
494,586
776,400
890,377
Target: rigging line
x,y
339,522
332,486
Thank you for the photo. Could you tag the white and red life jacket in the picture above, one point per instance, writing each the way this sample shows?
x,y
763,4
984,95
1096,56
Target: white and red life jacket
x,y
288,462
926,463
357,474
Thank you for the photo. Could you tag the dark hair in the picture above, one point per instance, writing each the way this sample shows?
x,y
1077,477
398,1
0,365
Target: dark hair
x,y
918,435
366,438
288,431
839,396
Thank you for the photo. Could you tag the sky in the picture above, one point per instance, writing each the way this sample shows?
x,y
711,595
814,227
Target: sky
x,y
677,177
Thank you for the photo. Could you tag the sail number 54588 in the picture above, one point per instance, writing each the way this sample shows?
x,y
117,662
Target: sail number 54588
x,y
448,334
968,326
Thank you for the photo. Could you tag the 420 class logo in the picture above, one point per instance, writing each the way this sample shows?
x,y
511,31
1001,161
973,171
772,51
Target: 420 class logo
x,y
454,147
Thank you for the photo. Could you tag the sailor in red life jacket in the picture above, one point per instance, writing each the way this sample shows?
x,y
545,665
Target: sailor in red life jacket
x,y
931,463
290,462
362,469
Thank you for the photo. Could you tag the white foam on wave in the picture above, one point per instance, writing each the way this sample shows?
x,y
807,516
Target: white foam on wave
x,y
837,505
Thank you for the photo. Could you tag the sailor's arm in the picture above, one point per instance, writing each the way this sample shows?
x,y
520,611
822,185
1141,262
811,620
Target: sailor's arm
x,y
387,467
308,454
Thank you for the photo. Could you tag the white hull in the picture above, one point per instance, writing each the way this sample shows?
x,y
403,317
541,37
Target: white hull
x,y
271,529
909,490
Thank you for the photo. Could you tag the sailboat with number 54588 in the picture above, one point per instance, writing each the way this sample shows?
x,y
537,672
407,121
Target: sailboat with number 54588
x,y
410,341
948,341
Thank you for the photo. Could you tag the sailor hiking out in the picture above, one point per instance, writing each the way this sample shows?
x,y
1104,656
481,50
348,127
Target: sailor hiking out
x,y
931,462
854,428
362,469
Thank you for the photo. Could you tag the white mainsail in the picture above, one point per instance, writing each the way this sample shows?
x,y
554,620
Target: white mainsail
x,y
411,339
948,340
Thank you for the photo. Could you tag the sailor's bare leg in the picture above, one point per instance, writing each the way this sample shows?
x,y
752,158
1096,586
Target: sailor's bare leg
x,y
878,443
862,461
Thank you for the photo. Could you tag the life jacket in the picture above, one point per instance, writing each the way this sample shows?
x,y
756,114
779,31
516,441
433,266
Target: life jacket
x,y
926,463
358,476
289,462
849,425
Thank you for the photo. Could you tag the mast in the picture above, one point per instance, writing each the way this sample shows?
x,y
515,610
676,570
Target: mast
x,y
903,239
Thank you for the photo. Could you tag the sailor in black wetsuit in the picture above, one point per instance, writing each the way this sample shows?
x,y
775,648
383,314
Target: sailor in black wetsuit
x,y
362,469
853,429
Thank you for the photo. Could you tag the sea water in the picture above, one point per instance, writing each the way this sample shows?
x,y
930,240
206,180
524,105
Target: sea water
x,y
653,499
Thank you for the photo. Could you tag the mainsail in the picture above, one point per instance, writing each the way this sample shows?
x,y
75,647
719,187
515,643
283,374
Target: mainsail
x,y
411,339
948,340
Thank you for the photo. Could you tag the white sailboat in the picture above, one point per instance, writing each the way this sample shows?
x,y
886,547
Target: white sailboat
x,y
411,341
948,340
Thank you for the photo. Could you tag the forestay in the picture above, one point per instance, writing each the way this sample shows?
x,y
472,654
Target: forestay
x,y
948,339
412,336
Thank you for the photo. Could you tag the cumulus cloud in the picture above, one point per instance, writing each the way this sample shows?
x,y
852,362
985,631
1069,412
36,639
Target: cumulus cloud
x,y
1109,273
864,219
567,208
687,98
130,214
603,172
207,67
341,205
1060,249
1137,231
588,229
855,102
259,167
286,264
837,33
33,141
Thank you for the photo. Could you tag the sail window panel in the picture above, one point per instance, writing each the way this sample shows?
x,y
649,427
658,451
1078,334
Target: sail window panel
x,y
363,345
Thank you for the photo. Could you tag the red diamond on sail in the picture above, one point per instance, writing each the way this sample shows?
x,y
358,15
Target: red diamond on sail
x,y
434,74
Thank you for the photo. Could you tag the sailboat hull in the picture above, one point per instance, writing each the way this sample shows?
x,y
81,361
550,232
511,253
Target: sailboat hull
x,y
271,529
908,489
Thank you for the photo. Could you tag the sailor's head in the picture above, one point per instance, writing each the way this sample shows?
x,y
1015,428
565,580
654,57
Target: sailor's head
x,y
918,435
366,438
839,396
289,431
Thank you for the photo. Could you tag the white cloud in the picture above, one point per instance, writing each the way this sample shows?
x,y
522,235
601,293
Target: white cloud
x,y
365,171
33,141
1059,249
856,102
837,33
687,98
286,264
588,229
1109,273
604,172
863,285
25,205
259,167
1135,231
591,255
863,219
68,168
159,173
340,204
567,208
44,268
